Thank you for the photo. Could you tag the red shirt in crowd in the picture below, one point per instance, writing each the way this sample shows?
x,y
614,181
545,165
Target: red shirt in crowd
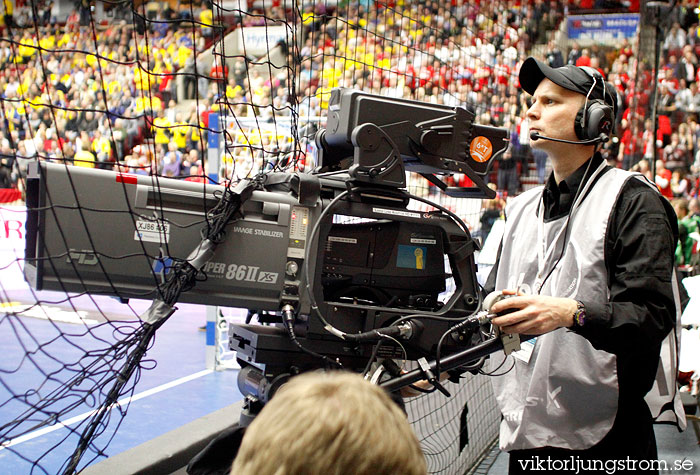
x,y
583,61
629,142
663,177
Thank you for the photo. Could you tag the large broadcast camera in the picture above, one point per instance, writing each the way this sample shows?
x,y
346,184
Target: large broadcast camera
x,y
337,266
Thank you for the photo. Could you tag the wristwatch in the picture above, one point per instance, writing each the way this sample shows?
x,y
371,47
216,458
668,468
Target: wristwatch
x,y
579,314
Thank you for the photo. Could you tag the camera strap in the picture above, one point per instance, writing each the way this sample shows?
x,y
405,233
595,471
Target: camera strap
x,y
306,187
462,250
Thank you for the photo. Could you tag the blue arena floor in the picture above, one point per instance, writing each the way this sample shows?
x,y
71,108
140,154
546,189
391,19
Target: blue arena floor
x,y
178,390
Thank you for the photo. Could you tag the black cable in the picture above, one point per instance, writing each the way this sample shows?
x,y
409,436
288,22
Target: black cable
x,y
493,373
457,327
422,390
307,254
372,357
288,320
123,377
568,222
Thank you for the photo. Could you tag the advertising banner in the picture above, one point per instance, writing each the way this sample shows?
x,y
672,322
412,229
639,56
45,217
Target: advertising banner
x,y
12,235
602,28
258,40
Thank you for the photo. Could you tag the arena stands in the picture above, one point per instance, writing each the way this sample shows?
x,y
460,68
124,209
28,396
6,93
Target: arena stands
x,y
453,54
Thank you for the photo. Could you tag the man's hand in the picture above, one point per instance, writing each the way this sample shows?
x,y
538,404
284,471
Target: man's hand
x,y
533,314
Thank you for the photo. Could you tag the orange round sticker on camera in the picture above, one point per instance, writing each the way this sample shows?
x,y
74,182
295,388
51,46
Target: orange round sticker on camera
x,y
480,149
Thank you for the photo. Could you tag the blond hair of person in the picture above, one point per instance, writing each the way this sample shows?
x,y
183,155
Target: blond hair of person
x,y
326,423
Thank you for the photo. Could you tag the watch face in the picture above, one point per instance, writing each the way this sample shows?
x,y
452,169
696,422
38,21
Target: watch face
x,y
580,315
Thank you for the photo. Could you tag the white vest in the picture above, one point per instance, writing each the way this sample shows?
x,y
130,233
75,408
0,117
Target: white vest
x,y
565,394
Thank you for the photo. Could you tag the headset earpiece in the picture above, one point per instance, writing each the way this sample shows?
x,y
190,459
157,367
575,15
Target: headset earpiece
x,y
595,117
600,118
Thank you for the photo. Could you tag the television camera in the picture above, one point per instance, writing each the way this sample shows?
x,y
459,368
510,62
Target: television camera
x,y
336,264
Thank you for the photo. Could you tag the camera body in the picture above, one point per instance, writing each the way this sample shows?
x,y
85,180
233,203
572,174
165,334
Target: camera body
x,y
319,257
372,261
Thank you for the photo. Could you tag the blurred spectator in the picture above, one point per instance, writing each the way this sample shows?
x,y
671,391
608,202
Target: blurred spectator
x,y
7,162
492,211
663,179
686,226
8,10
679,183
172,161
630,145
598,54
675,154
84,158
574,53
508,179
694,208
688,65
554,57
584,59
643,167
688,99
674,41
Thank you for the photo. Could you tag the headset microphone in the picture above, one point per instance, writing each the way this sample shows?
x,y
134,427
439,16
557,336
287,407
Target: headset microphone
x,y
602,138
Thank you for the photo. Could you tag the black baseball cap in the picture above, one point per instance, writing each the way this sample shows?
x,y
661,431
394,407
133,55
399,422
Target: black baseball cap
x,y
569,77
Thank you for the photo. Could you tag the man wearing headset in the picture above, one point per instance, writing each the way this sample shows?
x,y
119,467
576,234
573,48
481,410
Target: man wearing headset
x,y
587,264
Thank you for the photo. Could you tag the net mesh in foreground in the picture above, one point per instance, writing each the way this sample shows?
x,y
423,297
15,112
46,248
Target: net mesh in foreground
x,y
143,88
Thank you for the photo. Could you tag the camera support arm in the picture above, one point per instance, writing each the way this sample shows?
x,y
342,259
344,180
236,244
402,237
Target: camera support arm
x,y
377,159
426,370
450,362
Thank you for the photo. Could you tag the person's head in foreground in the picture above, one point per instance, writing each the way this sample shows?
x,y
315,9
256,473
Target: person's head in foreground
x,y
329,423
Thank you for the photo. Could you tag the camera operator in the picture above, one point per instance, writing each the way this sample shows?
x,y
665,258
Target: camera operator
x,y
330,423
588,263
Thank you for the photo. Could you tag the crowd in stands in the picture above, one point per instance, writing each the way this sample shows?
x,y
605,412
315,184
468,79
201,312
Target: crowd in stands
x,y
58,80
92,94
55,99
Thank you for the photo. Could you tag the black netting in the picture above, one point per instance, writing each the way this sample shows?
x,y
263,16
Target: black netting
x,y
208,93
